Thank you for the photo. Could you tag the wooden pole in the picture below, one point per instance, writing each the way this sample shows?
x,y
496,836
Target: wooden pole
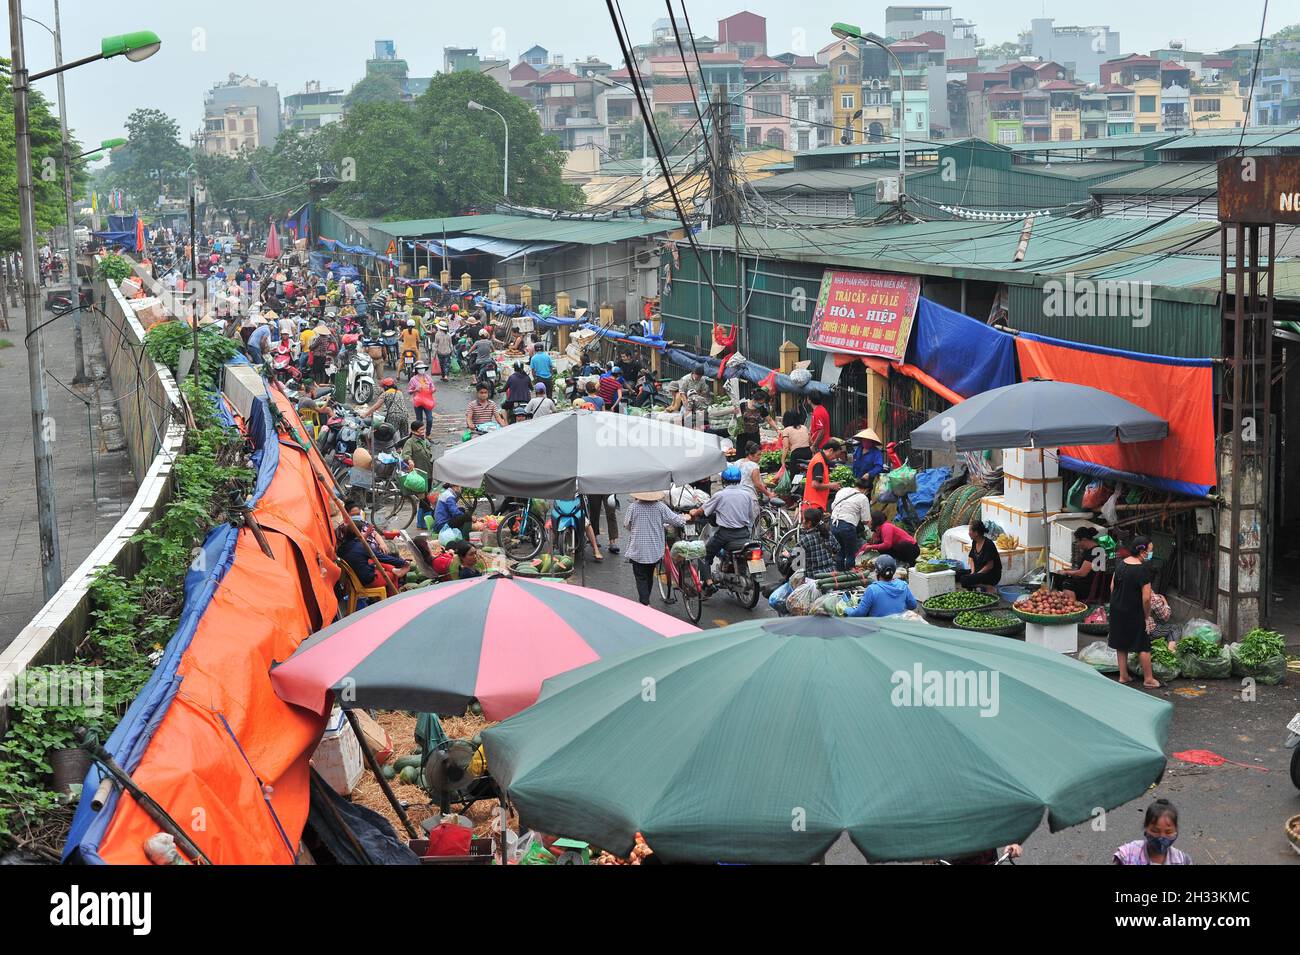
x,y
379,774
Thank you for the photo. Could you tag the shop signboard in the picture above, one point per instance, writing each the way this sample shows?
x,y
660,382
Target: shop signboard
x,y
865,313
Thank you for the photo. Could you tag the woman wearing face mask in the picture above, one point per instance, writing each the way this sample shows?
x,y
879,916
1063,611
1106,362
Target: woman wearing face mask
x,y
1130,605
1156,847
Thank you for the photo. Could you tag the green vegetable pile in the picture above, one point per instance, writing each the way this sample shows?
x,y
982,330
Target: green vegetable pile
x,y
113,268
1259,646
769,461
1161,654
1194,645
977,620
959,600
931,567
842,474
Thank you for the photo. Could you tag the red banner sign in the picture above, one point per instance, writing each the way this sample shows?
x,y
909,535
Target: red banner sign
x,y
865,313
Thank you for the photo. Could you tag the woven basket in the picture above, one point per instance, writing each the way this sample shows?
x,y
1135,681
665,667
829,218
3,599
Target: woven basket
x,y
1012,628
941,613
1051,620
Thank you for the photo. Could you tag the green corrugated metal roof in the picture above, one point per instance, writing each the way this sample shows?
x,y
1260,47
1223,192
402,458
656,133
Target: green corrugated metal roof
x,y
527,229
1078,170
823,180
1165,179
1272,137
413,228
1105,142
871,149
982,251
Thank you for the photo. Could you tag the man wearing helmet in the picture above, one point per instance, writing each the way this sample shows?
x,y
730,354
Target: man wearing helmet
x,y
734,510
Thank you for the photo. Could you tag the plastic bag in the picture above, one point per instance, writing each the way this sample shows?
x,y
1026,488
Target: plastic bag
x,y
1100,657
777,600
688,550
882,494
902,480
449,534
801,598
1204,629
1095,495
1074,498
828,605
1271,672
1200,668
1161,671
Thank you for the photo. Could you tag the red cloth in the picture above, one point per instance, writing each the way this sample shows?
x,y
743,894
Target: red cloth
x,y
820,429
889,536
449,839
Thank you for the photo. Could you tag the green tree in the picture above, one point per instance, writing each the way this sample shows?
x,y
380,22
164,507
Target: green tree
x,y
465,146
153,161
383,161
673,138
374,88
47,169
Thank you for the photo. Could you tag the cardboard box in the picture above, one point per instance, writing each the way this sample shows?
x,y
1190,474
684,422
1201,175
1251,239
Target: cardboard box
x,y
1031,462
1034,495
338,756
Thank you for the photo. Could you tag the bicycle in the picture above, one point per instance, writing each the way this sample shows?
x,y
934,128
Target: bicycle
x,y
522,532
774,520
685,576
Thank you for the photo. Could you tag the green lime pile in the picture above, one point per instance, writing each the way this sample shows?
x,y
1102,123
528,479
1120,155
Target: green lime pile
x,y
960,600
978,620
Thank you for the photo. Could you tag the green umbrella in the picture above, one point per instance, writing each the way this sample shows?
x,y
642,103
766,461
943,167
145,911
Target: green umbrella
x,y
764,741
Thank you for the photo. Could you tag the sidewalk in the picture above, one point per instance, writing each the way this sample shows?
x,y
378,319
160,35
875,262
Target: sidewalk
x,y
83,517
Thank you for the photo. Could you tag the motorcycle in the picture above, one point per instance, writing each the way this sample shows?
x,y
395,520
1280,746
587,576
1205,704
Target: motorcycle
x,y
361,372
409,358
740,570
389,338
282,364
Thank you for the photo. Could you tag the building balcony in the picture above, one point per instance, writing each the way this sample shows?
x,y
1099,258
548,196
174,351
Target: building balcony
x,y
1004,114
1119,116
1036,119
1094,116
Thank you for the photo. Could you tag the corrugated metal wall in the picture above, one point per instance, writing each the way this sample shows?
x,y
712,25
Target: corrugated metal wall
x,y
1177,329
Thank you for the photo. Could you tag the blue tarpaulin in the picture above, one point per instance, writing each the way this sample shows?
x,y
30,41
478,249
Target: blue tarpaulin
x,y
960,352
749,371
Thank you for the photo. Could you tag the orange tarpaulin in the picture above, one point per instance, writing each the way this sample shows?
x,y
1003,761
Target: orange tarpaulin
x,y
883,367
1179,390
229,759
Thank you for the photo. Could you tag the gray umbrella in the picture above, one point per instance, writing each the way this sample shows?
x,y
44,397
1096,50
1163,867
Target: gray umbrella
x,y
1039,414
559,456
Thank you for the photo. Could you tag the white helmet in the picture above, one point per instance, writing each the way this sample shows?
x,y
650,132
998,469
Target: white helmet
x,y
410,323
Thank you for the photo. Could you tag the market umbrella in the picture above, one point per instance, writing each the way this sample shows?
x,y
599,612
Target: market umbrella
x,y
273,244
1038,414
765,740
559,456
493,639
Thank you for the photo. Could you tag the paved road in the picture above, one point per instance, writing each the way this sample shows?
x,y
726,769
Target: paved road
x,y
81,439
1229,814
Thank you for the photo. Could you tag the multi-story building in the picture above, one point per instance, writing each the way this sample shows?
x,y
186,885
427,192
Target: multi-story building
x,y
923,61
744,34
566,107
1081,49
455,59
914,22
313,108
811,117
1120,111
241,113
1276,99
766,102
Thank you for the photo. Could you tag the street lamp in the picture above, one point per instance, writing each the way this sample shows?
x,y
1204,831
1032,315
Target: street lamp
x,y
135,46
505,177
846,31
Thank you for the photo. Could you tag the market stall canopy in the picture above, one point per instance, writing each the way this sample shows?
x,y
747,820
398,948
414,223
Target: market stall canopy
x,y
559,456
493,639
766,740
1038,414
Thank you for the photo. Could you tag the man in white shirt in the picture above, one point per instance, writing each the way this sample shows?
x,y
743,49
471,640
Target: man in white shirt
x,y
849,509
541,405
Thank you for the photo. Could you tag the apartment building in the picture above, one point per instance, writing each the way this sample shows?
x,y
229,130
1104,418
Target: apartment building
x,y
1081,49
241,113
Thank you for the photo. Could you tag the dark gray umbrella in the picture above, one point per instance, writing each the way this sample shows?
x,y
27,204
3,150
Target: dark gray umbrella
x,y
1039,414
582,452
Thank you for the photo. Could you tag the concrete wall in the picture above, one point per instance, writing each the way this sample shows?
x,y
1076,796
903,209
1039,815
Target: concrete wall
x,y
153,426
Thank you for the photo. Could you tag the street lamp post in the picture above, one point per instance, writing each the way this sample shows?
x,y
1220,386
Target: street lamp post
x,y
846,31
505,178
135,46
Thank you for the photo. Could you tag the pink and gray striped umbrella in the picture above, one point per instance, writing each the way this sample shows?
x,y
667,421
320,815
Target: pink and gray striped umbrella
x,y
494,639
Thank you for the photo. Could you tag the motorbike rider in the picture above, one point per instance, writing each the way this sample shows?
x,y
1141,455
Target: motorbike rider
x,y
519,390
481,351
411,338
734,509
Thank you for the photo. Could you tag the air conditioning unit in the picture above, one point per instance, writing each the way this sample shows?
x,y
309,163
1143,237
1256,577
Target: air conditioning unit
x,y
887,189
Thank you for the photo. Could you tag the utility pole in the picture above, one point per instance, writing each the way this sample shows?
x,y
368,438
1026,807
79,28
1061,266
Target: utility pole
x,y
42,423
194,299
74,284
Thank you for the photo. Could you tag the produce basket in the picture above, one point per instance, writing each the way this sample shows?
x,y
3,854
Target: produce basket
x,y
1095,629
1050,619
1012,626
525,568
947,613
1293,832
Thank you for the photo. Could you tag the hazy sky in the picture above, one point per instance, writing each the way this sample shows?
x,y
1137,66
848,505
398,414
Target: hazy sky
x,y
288,43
